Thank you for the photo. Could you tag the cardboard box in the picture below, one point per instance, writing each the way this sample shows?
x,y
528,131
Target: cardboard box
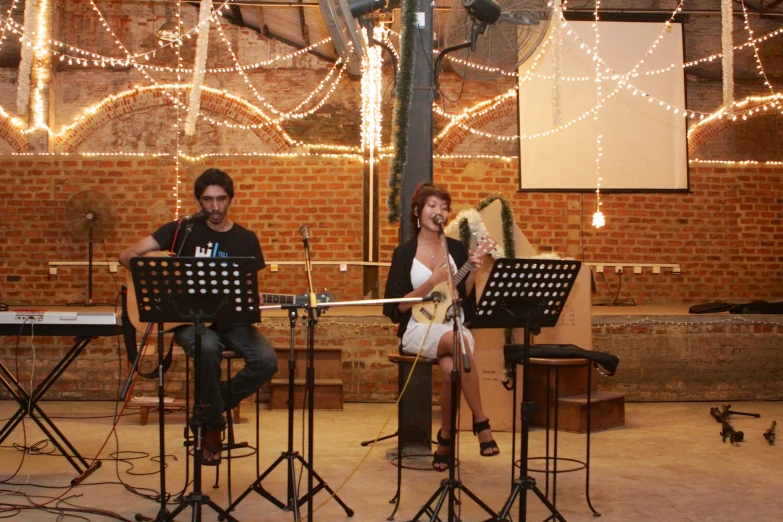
x,y
575,326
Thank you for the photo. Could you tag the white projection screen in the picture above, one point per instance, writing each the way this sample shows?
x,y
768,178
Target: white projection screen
x,y
644,146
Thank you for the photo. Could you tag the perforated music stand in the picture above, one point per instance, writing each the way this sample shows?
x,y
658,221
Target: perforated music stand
x,y
529,294
195,290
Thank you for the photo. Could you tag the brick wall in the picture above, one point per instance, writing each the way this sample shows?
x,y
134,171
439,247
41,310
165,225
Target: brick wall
x,y
724,234
693,358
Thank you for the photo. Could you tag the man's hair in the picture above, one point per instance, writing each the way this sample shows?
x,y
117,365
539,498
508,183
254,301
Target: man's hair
x,y
419,199
213,177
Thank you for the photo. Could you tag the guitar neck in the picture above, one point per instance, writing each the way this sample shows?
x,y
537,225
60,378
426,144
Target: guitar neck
x,y
279,298
460,275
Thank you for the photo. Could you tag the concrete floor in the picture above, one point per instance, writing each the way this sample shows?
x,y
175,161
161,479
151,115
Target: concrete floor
x,y
667,464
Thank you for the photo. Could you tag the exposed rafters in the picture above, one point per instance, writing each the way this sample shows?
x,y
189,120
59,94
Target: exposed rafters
x,y
236,12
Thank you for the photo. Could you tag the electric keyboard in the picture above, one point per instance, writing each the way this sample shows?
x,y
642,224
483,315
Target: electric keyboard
x,y
61,321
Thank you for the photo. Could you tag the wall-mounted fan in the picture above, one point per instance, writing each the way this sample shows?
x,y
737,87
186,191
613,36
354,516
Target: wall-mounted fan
x,y
495,34
341,18
90,216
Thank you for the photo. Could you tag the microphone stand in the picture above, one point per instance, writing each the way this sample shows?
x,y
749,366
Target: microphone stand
x,y
449,485
163,513
312,319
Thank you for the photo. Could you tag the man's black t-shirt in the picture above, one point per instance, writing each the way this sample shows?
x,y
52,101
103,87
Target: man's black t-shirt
x,y
206,242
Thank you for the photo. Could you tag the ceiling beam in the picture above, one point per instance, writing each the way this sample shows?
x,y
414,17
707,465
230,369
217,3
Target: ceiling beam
x,y
303,25
750,7
236,12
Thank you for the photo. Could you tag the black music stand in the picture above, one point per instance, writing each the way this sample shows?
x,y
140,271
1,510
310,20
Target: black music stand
x,y
529,294
195,290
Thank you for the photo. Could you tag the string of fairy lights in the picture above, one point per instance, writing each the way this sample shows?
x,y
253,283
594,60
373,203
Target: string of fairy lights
x,y
178,126
84,57
473,112
598,217
7,21
43,45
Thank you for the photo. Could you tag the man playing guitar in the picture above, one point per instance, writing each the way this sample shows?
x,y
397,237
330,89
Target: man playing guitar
x,y
216,235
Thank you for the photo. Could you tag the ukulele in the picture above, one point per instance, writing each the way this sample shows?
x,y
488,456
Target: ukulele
x,y
442,310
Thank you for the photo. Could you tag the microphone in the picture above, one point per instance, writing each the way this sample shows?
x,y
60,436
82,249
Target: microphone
x,y
438,220
305,231
201,215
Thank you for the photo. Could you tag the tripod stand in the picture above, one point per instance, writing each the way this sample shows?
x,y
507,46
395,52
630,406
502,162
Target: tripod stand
x,y
449,486
195,290
289,457
527,293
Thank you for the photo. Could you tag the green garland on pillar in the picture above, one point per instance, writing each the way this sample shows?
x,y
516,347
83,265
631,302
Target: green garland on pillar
x,y
465,233
507,222
401,118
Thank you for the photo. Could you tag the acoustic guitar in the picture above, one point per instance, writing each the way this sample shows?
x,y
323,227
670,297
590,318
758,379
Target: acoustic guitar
x,y
441,309
282,299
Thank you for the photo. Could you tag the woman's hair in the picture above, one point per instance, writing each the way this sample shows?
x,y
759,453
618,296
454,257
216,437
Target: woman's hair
x,y
213,177
419,199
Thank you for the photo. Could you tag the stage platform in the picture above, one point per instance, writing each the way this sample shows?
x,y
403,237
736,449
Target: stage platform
x,y
666,354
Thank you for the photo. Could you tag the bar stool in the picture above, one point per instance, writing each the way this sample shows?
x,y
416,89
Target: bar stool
x,y
553,367
229,442
414,428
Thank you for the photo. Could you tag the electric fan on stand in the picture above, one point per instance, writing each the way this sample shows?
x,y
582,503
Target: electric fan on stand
x,y
90,216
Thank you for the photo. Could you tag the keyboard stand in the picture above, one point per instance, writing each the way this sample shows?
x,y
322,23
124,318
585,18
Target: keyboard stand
x,y
28,405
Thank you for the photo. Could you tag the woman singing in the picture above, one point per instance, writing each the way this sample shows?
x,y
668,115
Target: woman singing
x,y
417,267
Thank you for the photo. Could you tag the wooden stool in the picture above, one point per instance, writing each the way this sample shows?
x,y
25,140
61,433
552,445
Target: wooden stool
x,y
553,367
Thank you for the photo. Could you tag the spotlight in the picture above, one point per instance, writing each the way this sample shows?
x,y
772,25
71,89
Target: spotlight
x,y
169,31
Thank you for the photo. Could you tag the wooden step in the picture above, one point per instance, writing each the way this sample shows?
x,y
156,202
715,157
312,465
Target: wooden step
x,y
328,394
608,411
573,380
328,362
145,404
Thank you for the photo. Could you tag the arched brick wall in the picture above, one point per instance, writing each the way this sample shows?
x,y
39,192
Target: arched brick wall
x,y
212,100
701,132
15,137
456,134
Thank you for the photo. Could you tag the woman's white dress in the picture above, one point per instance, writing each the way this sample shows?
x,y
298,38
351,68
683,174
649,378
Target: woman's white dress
x,y
415,332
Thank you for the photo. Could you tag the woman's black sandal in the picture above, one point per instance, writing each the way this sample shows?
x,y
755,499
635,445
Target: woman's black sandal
x,y
478,427
438,458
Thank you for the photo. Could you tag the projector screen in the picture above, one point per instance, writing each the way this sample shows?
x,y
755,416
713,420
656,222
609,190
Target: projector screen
x,y
644,145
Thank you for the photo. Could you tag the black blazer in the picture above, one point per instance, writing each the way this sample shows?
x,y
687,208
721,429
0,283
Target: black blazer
x,y
398,283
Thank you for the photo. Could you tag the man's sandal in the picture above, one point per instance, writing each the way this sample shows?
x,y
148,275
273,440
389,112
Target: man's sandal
x,y
212,442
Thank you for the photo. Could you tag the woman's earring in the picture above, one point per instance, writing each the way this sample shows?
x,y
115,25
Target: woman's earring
x,y
418,222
